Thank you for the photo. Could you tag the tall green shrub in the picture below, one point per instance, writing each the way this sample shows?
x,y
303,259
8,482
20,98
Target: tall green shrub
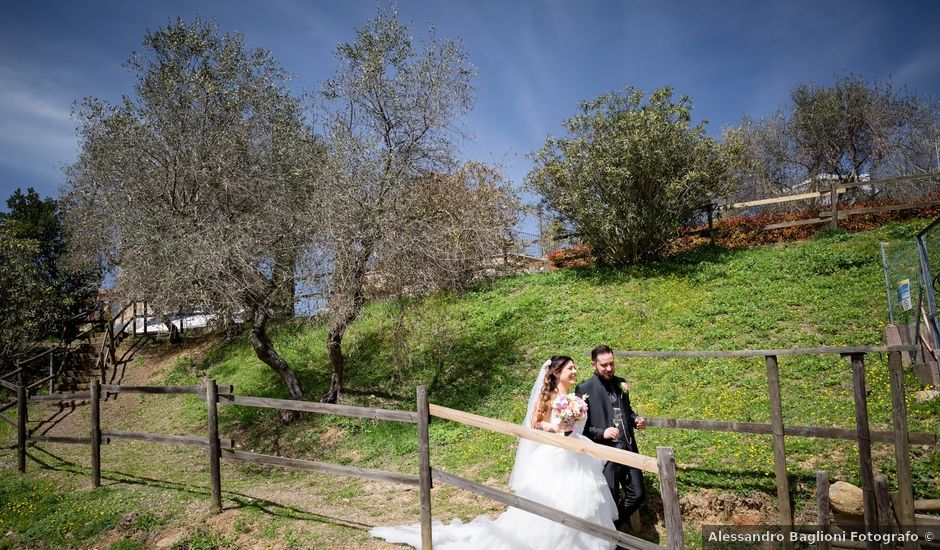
x,y
631,172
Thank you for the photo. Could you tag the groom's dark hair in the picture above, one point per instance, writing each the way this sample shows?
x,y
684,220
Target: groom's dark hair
x,y
600,350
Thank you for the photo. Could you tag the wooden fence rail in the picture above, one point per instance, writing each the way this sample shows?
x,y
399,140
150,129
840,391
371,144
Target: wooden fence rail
x,y
829,350
836,188
106,355
900,436
663,465
915,438
627,458
225,448
324,408
544,511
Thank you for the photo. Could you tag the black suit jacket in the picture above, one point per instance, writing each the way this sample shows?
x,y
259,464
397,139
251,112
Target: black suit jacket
x,y
601,412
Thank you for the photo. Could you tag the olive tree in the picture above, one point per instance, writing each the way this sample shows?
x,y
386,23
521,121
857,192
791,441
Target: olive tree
x,y
199,185
632,171
398,211
843,131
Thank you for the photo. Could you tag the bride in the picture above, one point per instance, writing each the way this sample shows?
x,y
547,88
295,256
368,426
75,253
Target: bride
x,y
570,482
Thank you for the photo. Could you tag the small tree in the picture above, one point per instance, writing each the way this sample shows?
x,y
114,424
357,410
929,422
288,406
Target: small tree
x,y
451,228
399,213
630,173
26,300
203,184
841,131
70,292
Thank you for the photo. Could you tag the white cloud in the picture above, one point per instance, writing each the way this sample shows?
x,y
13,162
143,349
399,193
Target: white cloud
x,y
38,135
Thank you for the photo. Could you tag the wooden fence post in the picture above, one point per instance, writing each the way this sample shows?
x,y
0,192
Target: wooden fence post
x,y
111,348
95,432
780,457
886,520
822,506
669,489
51,371
215,474
21,418
902,450
864,443
834,203
424,467
711,225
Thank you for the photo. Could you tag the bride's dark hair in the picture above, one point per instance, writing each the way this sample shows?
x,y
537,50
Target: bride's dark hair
x,y
549,387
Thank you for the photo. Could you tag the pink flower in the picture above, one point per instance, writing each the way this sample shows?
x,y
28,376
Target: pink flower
x,y
570,408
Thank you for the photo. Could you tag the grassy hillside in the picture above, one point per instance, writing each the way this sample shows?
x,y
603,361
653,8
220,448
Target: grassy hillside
x,y
479,351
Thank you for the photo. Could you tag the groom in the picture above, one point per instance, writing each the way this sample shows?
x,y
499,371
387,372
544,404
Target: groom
x,y
610,421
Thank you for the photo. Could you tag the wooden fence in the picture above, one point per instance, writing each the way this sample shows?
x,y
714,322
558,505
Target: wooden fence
x,y
875,515
663,464
834,214
105,357
218,448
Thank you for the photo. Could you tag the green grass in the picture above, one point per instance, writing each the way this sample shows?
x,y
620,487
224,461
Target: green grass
x,y
36,510
479,351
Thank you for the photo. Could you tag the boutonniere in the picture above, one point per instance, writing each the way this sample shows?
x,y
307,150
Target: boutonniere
x,y
624,387
584,397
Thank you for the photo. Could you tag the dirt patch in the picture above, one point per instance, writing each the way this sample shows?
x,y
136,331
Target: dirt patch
x,y
331,436
711,507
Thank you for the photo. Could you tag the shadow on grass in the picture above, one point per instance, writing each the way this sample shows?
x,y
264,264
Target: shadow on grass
x,y
683,264
460,368
45,425
237,500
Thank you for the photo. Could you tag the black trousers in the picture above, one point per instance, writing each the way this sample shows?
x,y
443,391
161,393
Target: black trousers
x,y
630,481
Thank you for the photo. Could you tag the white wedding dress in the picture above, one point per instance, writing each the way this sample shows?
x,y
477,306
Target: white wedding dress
x,y
570,482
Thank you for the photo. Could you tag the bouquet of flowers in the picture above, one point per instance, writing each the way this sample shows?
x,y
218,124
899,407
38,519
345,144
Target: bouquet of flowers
x,y
570,408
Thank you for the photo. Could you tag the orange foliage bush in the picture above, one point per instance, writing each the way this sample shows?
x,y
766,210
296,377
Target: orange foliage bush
x,y
577,256
747,231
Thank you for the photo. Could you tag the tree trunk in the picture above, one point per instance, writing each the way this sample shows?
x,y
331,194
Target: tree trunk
x,y
285,282
354,290
334,346
265,351
172,331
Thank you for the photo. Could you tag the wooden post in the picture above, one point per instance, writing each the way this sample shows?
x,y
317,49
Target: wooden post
x,y
780,457
822,506
110,337
51,371
711,228
902,455
886,521
21,417
134,317
834,203
95,433
669,490
215,474
864,443
424,467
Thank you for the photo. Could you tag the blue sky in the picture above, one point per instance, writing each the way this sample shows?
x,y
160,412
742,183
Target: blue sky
x,y
536,59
